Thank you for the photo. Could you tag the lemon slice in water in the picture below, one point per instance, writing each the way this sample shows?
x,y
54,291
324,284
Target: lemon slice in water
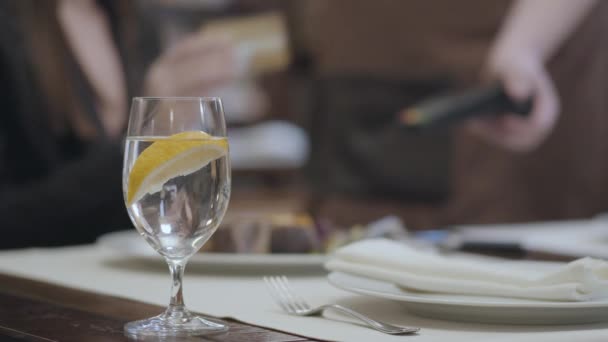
x,y
178,155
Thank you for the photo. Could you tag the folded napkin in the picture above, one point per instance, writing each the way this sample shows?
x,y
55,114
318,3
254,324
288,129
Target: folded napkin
x,y
423,270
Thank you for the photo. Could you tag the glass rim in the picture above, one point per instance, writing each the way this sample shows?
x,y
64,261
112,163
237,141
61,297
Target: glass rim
x,y
178,98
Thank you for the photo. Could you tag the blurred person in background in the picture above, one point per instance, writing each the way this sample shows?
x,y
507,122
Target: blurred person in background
x,y
69,69
414,49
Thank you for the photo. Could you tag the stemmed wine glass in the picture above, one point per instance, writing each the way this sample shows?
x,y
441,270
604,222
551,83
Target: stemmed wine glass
x,y
176,183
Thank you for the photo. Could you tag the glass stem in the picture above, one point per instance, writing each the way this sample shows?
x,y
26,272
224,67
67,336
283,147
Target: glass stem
x,y
177,308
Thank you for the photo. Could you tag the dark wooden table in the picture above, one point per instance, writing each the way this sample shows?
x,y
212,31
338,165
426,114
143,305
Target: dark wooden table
x,y
36,311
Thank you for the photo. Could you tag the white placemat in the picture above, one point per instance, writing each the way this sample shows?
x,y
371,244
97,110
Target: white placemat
x,y
244,298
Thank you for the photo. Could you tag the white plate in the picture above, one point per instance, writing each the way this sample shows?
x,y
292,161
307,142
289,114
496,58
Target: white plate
x,y
575,238
130,243
476,308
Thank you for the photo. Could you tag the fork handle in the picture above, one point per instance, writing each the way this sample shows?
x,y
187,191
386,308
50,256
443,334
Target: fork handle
x,y
382,327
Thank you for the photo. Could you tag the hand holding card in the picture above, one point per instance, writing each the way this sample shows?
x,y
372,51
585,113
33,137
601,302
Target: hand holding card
x,y
261,42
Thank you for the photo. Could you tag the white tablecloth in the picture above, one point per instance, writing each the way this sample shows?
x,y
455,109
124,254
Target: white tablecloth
x,y
244,298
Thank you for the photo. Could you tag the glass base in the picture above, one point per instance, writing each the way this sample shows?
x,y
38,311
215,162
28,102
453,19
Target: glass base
x,y
175,323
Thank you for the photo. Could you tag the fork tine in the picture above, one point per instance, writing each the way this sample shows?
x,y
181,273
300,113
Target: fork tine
x,y
274,293
287,301
288,293
299,300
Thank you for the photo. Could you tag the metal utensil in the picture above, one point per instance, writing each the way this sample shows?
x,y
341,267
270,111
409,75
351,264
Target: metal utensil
x,y
293,304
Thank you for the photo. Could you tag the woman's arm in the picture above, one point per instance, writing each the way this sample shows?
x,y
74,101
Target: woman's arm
x,y
540,26
74,204
531,34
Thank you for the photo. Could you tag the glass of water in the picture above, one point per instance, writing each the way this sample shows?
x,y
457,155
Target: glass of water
x,y
176,184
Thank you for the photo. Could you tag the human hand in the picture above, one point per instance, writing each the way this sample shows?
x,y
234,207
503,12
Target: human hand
x,y
192,67
523,76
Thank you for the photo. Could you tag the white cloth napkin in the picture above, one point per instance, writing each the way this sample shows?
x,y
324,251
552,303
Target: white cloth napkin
x,y
580,280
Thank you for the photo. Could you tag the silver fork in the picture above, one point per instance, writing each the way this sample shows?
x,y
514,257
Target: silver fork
x,y
293,304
